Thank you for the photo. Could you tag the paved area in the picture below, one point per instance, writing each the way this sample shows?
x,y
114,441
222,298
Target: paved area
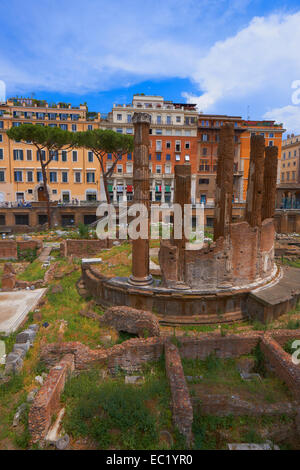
x,y
14,306
45,254
284,290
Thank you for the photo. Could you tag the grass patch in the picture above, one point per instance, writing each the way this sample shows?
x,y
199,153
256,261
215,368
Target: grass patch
x,y
33,272
119,416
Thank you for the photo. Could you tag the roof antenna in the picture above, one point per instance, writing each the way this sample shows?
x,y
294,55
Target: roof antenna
x,y
248,113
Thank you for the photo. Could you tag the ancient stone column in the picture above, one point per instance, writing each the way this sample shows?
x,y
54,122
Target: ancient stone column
x,y
255,181
140,247
182,196
224,182
270,180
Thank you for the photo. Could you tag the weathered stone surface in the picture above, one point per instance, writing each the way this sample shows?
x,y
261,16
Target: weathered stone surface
x,y
26,335
181,404
140,247
131,320
270,180
134,379
19,413
8,277
46,402
14,363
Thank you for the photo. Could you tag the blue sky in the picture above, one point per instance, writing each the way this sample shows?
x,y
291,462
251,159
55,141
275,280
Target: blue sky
x,y
229,57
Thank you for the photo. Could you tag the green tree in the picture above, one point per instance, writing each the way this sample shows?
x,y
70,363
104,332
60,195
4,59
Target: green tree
x,y
101,142
44,138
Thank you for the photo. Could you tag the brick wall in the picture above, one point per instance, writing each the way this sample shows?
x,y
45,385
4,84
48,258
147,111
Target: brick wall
x,y
8,249
182,409
281,364
30,245
83,248
46,402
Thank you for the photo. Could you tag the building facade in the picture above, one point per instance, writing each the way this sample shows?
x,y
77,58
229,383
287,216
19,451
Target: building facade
x,y
288,190
178,134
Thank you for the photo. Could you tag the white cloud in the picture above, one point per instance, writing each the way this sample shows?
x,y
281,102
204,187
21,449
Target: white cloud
x,y
288,115
260,59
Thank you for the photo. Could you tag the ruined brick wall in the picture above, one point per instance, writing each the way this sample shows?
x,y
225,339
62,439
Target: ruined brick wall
x,y
47,400
83,248
182,409
132,354
8,249
132,320
281,363
24,245
223,346
246,257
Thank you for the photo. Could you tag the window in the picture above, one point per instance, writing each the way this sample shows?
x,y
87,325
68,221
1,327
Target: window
x,y
119,117
168,144
1,154
168,168
2,176
64,127
187,133
177,158
29,155
128,167
39,176
120,131
158,157
128,117
18,154
90,177
205,138
77,178
109,156
74,156
1,125
168,131
178,118
178,132
203,181
158,169
158,132
187,145
158,120
129,130
187,158
43,153
64,177
168,156
29,176
119,168
53,154
90,157
64,156
1,138
271,143
158,145
169,120
129,156
18,176
54,191
74,127
271,135
21,219
90,127
178,146
53,177
204,151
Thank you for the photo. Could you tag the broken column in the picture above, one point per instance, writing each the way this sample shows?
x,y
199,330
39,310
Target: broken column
x,y
182,196
224,182
270,180
253,213
140,247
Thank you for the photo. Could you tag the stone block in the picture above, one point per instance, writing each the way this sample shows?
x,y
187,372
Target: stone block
x,y
14,363
26,335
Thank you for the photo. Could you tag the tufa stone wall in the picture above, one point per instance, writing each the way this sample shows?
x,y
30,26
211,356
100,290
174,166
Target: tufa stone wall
x,y
131,320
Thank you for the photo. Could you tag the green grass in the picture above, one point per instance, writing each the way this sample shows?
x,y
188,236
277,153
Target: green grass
x,y
33,272
119,416
222,376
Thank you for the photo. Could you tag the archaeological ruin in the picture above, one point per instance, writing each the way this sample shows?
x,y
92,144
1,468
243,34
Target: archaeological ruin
x,y
231,278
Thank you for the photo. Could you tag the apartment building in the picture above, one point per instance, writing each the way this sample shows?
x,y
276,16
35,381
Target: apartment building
x,y
178,134
288,190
